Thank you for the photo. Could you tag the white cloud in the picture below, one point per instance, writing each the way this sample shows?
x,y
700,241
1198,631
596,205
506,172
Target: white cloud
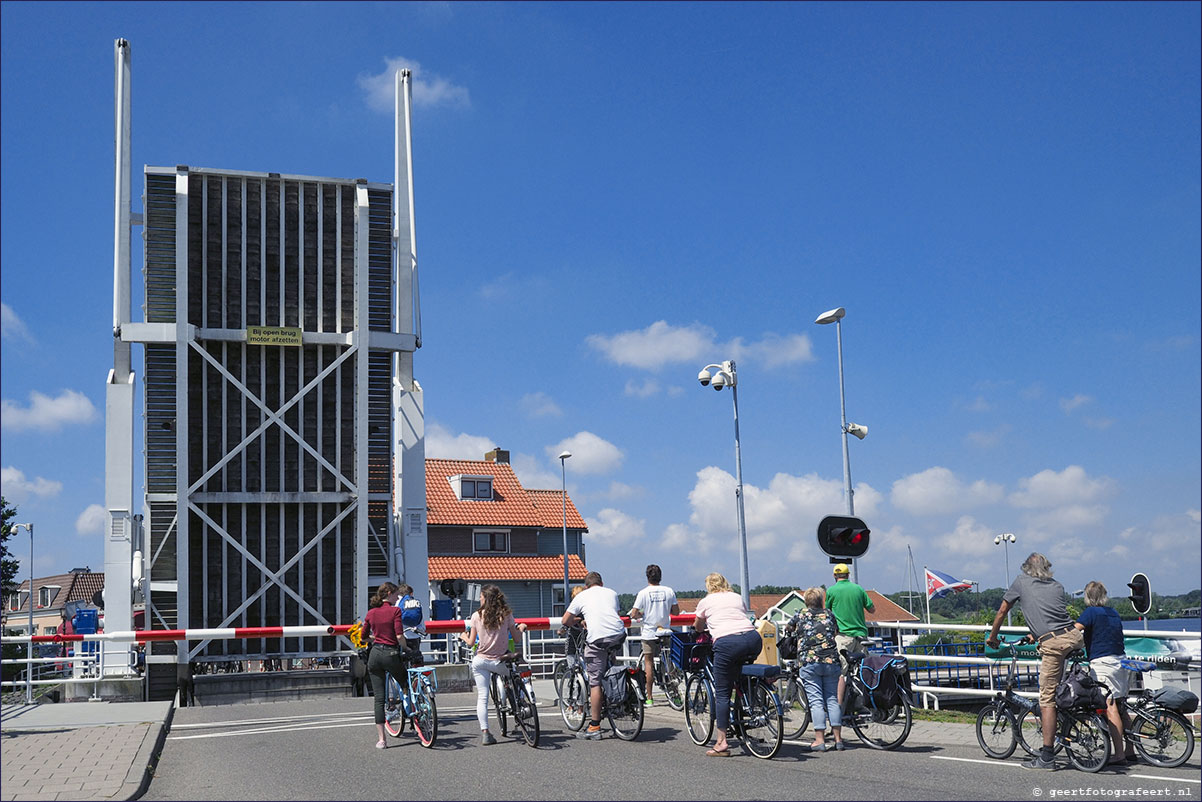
x,y
644,389
45,413
1099,423
782,517
540,405
937,491
662,344
1071,404
613,527
428,89
442,444
590,453
535,476
17,488
92,520
11,326
987,439
1048,489
979,404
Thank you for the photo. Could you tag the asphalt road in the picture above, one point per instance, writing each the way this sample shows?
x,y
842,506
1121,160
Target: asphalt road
x,y
323,749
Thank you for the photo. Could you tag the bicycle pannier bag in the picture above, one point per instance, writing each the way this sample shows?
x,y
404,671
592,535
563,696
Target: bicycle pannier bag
x,y
1079,690
786,645
613,685
884,678
1178,699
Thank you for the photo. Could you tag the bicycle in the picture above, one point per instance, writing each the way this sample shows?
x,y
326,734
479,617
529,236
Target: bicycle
x,y
564,665
795,705
756,716
880,728
626,718
669,676
414,701
1162,736
1080,732
513,695
998,730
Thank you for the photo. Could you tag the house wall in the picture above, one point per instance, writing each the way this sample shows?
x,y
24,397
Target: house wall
x,y
550,541
449,539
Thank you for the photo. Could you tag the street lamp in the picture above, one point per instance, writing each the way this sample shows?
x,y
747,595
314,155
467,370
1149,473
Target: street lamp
x,y
1005,539
563,470
860,432
29,651
724,375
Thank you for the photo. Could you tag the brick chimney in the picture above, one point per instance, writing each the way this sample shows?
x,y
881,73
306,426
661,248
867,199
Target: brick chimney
x,y
497,455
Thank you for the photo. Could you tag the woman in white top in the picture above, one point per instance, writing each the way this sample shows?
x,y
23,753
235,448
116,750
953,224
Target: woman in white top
x,y
736,642
492,625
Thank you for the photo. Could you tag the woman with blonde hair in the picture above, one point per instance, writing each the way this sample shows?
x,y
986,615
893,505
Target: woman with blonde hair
x,y
382,625
819,657
1106,648
736,642
491,626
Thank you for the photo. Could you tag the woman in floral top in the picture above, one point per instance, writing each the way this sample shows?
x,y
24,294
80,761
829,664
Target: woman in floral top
x,y
820,669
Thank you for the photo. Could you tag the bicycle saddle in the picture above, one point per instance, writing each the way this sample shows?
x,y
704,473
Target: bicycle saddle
x,y
760,670
856,657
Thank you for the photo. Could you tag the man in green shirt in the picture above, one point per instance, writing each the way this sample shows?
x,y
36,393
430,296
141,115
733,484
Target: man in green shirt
x,y
847,601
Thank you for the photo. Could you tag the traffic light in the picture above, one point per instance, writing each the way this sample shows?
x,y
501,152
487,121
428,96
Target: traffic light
x,y
843,536
1141,593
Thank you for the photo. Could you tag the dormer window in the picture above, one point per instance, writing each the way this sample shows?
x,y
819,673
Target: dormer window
x,y
14,601
472,488
46,593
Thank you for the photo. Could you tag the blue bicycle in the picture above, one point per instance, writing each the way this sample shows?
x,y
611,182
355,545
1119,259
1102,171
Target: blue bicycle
x,y
415,702
756,715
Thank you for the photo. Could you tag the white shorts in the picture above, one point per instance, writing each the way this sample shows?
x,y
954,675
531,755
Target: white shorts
x,y
1107,670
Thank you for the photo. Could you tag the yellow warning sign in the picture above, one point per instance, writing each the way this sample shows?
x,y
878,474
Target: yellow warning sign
x,y
286,336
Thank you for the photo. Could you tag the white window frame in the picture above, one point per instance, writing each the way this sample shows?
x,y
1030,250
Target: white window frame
x,y
457,483
491,532
14,601
44,592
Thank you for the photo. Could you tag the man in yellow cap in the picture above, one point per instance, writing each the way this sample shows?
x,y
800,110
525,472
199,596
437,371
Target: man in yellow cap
x,y
847,601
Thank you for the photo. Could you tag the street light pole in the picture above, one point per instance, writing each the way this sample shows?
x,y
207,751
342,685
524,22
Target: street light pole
x,y
725,374
563,470
1006,538
29,650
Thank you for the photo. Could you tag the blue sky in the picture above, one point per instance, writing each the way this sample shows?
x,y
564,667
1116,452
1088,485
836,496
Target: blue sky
x,y
1004,197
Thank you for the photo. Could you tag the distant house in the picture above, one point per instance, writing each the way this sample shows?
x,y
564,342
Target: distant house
x,y
51,597
484,527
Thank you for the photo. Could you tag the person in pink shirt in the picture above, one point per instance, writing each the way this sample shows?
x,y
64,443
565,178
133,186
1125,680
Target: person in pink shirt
x,y
736,642
492,625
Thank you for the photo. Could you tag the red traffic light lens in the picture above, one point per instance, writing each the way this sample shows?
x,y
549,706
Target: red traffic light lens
x,y
856,538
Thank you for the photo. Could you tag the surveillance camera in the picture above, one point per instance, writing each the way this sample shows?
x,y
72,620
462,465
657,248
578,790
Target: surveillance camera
x,y
704,378
719,381
997,541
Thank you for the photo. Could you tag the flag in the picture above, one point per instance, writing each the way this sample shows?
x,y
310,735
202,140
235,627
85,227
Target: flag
x,y
940,584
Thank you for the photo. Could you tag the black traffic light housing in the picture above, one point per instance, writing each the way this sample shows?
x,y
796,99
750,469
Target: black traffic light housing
x,y
843,536
453,588
1141,593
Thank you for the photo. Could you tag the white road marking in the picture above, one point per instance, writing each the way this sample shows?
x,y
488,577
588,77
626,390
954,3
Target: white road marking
x,y
259,731
975,760
1157,777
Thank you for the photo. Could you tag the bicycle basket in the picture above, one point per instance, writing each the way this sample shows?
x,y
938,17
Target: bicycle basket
x,y
1178,699
690,650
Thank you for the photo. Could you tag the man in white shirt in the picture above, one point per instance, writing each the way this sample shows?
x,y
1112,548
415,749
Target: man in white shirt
x,y
655,604
597,605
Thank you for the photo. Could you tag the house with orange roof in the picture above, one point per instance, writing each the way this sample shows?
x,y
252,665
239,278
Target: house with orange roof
x,y
483,527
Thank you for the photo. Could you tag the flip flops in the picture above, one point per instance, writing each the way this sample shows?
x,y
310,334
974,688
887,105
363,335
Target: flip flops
x,y
717,753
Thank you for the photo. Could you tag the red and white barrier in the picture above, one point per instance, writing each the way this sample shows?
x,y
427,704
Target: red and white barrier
x,y
235,633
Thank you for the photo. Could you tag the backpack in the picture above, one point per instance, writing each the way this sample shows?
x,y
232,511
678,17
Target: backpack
x,y
1078,689
1178,699
613,685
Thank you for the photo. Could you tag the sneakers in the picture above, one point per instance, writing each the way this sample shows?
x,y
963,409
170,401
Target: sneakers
x,y
590,733
487,739
1038,763
648,702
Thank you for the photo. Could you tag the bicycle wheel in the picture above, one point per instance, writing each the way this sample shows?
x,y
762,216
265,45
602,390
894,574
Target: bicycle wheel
x,y
500,694
525,712
394,713
884,729
1030,733
795,709
1086,740
425,713
627,718
1166,740
759,721
699,709
673,683
995,731
559,675
573,702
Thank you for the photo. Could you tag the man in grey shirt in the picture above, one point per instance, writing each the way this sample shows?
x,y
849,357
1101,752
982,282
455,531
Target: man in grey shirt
x,y
1042,602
